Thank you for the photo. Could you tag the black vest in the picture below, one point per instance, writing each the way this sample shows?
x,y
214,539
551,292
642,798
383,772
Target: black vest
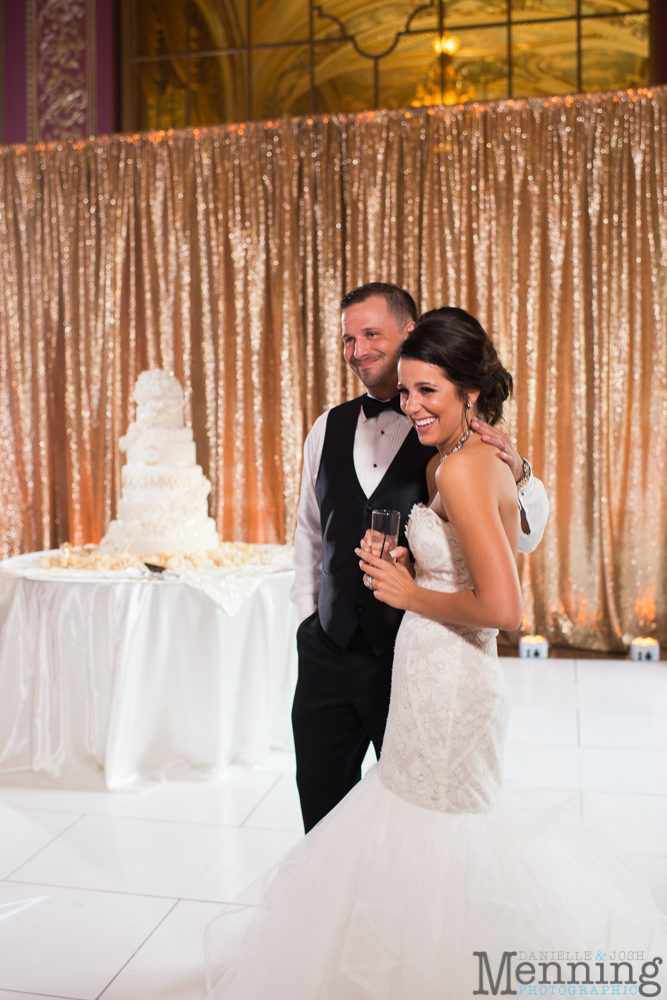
x,y
345,515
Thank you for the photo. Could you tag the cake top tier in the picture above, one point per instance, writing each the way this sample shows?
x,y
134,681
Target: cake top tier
x,y
157,384
159,398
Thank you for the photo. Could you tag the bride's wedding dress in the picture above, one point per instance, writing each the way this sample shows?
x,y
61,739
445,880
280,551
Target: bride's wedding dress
x,y
426,865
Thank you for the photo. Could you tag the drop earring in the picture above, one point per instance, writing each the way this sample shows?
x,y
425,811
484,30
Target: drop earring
x,y
468,405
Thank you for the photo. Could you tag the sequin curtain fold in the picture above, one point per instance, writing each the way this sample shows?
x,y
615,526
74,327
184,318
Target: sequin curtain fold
x,y
221,254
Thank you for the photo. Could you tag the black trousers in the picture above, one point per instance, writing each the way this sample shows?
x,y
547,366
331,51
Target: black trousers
x,y
340,705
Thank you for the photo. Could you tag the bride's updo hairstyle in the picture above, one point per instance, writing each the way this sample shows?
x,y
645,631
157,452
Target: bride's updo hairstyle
x,y
457,343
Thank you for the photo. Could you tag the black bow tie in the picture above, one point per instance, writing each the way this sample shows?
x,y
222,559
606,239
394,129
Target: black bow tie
x,y
373,407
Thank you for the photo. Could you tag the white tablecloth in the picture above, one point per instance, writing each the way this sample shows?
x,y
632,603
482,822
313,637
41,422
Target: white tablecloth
x,y
140,676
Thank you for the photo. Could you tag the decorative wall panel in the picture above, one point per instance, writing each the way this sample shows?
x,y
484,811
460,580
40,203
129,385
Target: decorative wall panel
x,y
61,69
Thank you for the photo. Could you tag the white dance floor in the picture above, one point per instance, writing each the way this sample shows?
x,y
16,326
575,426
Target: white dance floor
x,y
107,894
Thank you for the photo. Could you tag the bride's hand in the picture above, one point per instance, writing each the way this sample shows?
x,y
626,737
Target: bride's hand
x,y
392,582
365,542
400,554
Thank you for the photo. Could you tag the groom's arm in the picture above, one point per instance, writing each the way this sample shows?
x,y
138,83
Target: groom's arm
x,y
532,495
308,535
535,503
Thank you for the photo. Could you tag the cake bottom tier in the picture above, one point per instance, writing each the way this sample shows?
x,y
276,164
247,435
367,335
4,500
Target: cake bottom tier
x,y
191,535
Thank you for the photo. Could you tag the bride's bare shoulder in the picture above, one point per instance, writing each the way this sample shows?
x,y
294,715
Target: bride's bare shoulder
x,y
476,467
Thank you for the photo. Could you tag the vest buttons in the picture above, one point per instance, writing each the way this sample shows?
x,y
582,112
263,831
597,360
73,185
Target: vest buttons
x,y
360,610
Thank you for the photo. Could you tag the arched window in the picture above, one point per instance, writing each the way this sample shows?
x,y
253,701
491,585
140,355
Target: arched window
x,y
197,62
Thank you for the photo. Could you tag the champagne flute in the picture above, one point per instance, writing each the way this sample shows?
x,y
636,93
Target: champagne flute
x,y
385,525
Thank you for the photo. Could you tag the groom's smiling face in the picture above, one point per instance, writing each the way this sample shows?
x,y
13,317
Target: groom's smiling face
x,y
371,338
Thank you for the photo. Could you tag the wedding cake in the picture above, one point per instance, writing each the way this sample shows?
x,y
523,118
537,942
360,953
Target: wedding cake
x,y
164,505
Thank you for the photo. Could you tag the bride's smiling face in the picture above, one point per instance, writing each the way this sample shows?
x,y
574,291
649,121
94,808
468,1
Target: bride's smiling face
x,y
433,404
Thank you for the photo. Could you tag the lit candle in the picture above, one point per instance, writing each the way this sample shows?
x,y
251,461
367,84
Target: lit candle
x,y
644,648
533,645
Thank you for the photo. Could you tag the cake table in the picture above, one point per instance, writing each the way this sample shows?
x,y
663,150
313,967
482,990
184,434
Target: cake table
x,y
142,675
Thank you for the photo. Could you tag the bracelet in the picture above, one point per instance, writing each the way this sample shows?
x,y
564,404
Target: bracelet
x,y
527,473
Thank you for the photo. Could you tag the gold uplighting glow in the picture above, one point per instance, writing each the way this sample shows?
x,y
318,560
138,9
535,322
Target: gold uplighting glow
x,y
644,641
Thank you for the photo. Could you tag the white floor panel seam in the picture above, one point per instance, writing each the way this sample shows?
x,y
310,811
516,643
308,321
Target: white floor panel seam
x,y
27,861
258,804
219,902
113,817
137,950
9,804
580,767
616,793
612,746
273,829
106,892
47,996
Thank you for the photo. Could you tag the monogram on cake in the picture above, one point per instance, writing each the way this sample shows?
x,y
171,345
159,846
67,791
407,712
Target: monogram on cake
x,y
164,504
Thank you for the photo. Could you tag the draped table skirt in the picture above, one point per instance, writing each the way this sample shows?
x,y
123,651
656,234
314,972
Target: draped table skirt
x,y
140,677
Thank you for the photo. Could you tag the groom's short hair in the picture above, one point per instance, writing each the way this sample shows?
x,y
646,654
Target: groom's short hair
x,y
400,303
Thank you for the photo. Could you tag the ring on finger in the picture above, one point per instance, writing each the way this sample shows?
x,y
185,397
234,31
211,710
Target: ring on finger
x,y
368,581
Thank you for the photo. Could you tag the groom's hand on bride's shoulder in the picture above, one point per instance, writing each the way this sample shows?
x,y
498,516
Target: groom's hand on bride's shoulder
x,y
503,442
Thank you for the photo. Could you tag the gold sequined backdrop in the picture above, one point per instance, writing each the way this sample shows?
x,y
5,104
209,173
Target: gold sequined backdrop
x,y
221,254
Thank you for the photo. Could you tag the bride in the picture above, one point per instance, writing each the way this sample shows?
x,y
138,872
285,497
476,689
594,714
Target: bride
x,y
427,882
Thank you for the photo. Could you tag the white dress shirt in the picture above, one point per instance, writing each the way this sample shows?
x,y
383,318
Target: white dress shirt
x,y
377,441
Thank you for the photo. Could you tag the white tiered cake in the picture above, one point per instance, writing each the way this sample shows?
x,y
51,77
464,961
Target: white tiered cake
x,y
164,506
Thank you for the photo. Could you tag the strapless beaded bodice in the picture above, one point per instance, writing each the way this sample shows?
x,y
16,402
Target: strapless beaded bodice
x,y
449,706
439,563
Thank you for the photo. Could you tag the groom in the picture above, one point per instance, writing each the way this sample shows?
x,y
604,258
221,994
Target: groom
x,y
361,456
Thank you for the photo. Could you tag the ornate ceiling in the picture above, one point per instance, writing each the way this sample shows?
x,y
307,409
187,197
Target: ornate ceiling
x,y
203,61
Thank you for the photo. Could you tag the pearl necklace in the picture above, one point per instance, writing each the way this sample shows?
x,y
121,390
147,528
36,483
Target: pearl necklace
x,y
459,444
